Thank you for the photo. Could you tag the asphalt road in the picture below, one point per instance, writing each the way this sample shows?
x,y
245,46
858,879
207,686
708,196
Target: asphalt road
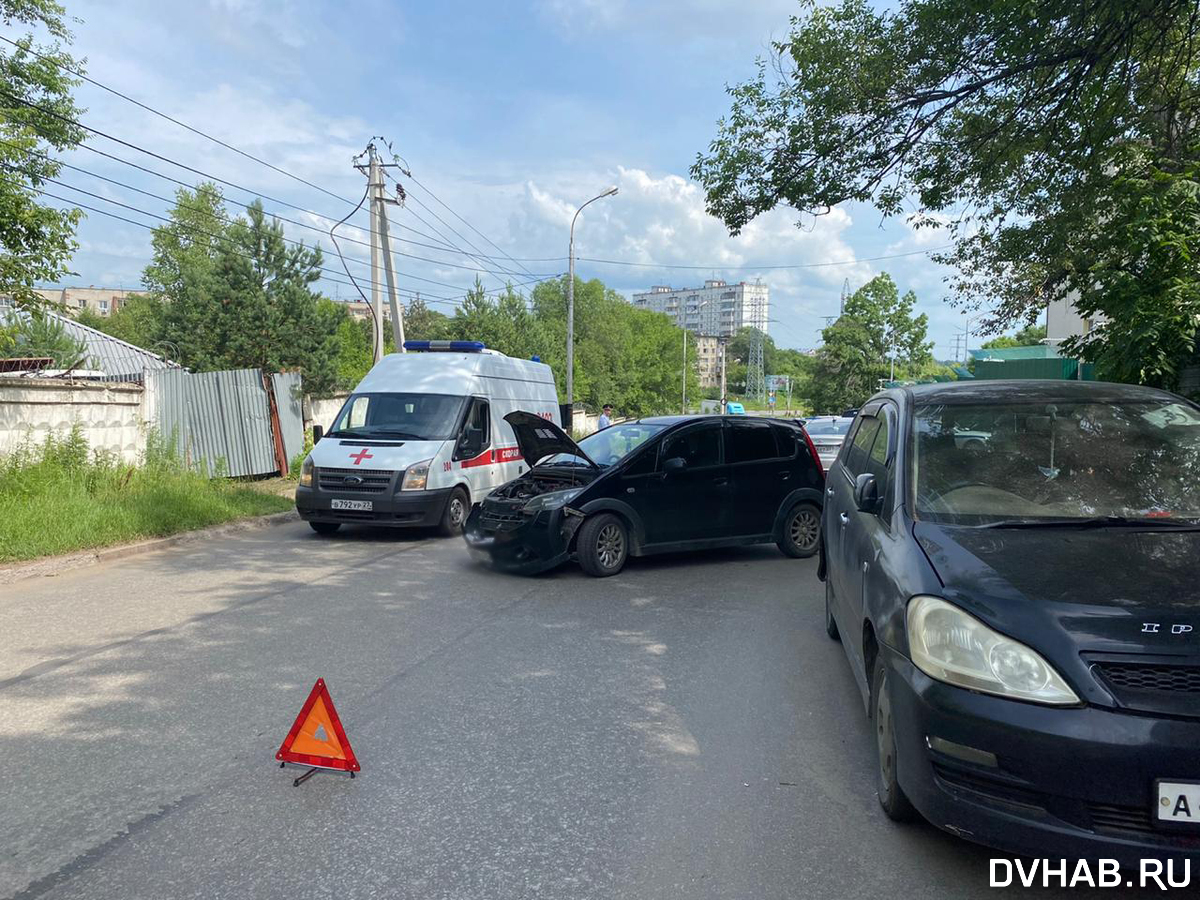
x,y
684,730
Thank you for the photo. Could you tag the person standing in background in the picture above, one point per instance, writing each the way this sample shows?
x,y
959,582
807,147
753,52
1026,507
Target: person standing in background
x,y
605,417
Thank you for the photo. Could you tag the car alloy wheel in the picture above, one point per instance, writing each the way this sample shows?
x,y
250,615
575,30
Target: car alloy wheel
x,y
610,545
805,529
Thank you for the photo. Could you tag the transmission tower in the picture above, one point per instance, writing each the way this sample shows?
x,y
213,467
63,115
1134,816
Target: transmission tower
x,y
756,379
845,296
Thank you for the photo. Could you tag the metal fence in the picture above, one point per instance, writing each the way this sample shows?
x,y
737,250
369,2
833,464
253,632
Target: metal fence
x,y
222,422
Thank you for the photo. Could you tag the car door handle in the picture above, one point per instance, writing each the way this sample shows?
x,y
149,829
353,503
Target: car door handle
x,y
829,491
721,479
844,519
785,475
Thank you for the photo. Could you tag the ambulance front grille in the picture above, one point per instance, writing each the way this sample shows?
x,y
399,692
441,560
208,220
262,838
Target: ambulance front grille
x,y
354,481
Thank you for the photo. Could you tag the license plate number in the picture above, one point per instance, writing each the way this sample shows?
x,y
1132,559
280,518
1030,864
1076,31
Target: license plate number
x,y
366,505
1178,802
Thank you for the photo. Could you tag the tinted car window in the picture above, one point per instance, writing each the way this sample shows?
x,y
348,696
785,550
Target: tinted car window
x,y
644,464
864,436
877,458
750,442
699,446
786,439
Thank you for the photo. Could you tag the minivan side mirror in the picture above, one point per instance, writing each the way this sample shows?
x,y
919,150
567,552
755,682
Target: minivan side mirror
x,y
318,433
471,442
673,465
866,493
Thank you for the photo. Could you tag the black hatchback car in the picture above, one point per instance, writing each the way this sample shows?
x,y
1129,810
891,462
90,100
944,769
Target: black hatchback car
x,y
1021,616
650,486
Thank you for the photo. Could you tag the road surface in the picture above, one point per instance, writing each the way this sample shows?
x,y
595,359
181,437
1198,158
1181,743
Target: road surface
x,y
684,730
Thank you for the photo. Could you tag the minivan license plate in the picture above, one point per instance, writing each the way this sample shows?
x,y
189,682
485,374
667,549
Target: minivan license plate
x,y
366,505
1178,803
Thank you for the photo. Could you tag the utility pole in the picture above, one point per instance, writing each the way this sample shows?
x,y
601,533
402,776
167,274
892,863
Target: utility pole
x,y
724,399
382,263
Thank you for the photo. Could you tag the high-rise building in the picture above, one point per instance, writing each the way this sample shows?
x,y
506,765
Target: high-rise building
x,y
717,309
708,360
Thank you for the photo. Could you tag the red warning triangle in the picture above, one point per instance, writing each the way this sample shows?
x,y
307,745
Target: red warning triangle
x,y
317,737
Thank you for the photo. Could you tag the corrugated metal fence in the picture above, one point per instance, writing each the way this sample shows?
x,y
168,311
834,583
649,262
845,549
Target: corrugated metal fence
x,y
221,421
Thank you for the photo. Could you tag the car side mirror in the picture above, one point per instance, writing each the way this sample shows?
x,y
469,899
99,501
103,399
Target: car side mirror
x,y
471,442
673,465
866,493
318,433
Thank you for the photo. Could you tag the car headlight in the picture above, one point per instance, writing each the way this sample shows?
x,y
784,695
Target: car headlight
x,y
306,472
551,500
953,646
416,476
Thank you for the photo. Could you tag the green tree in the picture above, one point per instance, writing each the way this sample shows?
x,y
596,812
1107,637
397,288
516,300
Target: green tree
x,y
856,355
1029,336
36,113
36,334
1139,278
235,294
422,323
1005,121
138,321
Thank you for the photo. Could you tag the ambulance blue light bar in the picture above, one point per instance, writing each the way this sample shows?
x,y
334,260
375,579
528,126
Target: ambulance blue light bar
x,y
455,346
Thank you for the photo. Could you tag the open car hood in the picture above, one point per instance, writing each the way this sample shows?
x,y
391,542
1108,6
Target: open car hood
x,y
539,438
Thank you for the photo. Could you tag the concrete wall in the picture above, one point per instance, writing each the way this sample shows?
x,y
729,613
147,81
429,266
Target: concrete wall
x,y
321,411
111,415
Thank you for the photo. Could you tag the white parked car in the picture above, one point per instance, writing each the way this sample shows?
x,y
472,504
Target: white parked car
x,y
828,433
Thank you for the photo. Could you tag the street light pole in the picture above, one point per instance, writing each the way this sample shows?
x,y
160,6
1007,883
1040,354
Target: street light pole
x,y
571,302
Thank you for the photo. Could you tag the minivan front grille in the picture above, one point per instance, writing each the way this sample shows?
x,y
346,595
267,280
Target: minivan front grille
x,y
1138,677
354,481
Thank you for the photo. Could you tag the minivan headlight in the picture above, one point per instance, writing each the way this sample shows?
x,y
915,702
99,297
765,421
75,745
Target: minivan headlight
x,y
551,500
306,472
416,476
953,646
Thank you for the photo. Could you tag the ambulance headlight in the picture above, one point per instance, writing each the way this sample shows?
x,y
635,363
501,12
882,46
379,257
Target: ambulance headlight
x,y
306,472
416,477
551,500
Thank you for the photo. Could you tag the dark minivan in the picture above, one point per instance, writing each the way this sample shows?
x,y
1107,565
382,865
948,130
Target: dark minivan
x,y
1022,617
650,486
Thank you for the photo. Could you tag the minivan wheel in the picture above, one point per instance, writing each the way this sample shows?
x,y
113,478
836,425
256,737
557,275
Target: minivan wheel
x,y
603,545
831,628
454,516
324,527
801,531
891,797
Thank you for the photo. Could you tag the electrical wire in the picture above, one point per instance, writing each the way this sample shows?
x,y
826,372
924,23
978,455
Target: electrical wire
x,y
506,254
376,343
79,74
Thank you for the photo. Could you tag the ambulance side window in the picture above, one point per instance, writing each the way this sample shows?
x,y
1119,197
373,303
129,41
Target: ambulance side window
x,y
358,412
477,431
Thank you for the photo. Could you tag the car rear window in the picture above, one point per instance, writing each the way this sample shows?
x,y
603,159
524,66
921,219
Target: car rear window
x,y
750,442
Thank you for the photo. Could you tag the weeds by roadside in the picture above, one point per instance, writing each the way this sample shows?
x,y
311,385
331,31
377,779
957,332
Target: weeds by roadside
x,y
62,496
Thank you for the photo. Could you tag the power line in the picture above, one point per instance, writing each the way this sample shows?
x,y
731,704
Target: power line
x,y
506,254
724,268
79,74
223,216
407,291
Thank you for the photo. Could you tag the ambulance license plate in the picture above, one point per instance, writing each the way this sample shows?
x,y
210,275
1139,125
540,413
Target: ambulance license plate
x,y
1178,803
365,505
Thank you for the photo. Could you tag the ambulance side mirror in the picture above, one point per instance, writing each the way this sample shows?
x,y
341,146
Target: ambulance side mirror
x,y
318,433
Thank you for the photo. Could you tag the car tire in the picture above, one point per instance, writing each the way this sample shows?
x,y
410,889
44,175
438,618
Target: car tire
x,y
454,516
801,536
895,804
831,628
324,527
603,545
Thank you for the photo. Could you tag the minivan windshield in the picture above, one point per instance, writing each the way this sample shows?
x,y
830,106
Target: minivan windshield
x,y
1056,462
410,417
611,445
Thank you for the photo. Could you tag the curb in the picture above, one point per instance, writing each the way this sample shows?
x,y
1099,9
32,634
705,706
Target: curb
x,y
56,565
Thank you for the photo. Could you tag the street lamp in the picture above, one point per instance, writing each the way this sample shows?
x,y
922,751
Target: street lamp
x,y
571,302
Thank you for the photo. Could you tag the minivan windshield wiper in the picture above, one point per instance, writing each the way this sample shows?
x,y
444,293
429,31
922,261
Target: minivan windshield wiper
x,y
1145,522
379,432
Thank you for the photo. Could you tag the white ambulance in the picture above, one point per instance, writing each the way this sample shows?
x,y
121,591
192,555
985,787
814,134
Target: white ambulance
x,y
423,438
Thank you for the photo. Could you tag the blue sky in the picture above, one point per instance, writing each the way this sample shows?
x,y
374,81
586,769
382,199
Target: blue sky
x,y
512,113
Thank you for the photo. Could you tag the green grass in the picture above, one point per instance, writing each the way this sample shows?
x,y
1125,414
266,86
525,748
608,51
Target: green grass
x,y
61,496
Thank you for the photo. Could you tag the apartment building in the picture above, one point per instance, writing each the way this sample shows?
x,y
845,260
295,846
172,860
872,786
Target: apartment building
x,y
718,309
102,301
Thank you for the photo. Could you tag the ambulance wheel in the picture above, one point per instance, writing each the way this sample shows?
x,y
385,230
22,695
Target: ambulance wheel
x,y
454,517
603,545
324,527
